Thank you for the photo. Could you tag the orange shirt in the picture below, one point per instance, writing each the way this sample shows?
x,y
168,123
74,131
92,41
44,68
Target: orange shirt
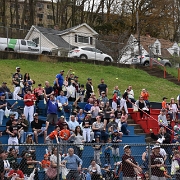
x,y
64,134
53,134
45,163
145,95
164,105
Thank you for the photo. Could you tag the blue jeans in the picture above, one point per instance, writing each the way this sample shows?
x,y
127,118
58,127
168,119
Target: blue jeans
x,y
124,128
103,135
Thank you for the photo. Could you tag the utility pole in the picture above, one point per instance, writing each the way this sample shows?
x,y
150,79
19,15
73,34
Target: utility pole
x,y
138,32
73,12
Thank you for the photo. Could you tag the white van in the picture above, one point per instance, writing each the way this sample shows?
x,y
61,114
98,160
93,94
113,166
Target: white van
x,y
21,45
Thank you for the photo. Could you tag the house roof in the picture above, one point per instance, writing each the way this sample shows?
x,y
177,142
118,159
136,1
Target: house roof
x,y
146,41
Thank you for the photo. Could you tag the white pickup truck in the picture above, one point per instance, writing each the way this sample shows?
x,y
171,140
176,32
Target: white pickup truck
x,y
21,45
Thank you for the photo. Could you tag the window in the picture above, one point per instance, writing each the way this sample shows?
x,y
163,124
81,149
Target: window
x,y
157,48
39,5
175,52
87,49
36,40
30,43
83,39
49,17
49,6
23,42
40,16
96,50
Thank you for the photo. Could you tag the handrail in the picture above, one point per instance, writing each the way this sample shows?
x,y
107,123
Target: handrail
x,y
151,59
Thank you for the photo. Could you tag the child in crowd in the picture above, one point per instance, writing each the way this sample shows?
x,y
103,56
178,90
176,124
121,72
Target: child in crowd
x,y
82,93
107,172
175,139
173,109
97,150
164,103
16,83
53,135
115,100
45,163
177,127
107,151
64,135
116,139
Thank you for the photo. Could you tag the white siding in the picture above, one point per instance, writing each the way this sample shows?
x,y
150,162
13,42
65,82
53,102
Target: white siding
x,y
171,50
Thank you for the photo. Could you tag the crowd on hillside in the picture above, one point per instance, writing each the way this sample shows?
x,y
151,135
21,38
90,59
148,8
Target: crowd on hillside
x,y
101,121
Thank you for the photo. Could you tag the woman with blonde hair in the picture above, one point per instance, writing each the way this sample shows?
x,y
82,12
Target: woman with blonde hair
x,y
30,149
173,109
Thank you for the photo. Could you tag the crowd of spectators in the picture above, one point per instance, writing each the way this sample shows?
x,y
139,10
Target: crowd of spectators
x,y
101,121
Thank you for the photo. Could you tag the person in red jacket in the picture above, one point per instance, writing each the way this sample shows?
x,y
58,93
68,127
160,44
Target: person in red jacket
x,y
29,100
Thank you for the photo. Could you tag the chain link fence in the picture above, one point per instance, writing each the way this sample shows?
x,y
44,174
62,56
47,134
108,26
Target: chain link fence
x,y
136,161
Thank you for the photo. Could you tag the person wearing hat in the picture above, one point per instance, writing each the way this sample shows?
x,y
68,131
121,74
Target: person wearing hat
x,y
17,88
53,135
129,165
59,81
102,87
103,97
38,129
2,154
6,90
164,103
89,88
124,100
3,104
157,163
20,76
29,100
15,173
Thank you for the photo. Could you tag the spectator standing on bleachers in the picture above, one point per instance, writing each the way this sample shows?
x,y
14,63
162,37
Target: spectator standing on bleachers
x,y
64,135
20,76
25,124
71,91
62,103
82,93
129,164
39,92
107,110
73,163
145,95
173,109
94,111
88,106
102,87
14,135
157,162
77,85
87,129
53,135
124,118
38,129
29,100
16,83
145,159
164,103
94,170
131,94
107,151
45,163
97,150
59,81
78,141
4,89
3,104
72,123
89,88
52,109
115,101
80,116
48,89
124,100
103,97
116,90
12,156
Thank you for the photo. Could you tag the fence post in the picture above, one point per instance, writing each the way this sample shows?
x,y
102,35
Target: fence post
x,y
164,72
58,161
149,157
40,42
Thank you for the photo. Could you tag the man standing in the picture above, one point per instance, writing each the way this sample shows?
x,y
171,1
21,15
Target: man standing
x,y
52,109
123,101
59,80
73,163
6,90
157,164
29,100
3,104
129,164
102,87
89,88
48,89
37,128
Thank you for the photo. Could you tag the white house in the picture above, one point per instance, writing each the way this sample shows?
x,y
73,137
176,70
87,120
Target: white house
x,y
160,47
81,35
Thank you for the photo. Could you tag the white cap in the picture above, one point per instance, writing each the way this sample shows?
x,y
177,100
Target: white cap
x,y
18,68
156,146
126,146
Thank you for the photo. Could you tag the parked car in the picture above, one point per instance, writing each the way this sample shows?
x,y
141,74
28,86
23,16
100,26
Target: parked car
x,y
21,45
145,60
89,53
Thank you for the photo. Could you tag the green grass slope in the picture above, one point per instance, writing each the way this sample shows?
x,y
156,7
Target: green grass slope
x,y
42,71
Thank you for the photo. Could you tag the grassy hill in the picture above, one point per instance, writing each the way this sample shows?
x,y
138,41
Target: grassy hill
x,y
42,71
